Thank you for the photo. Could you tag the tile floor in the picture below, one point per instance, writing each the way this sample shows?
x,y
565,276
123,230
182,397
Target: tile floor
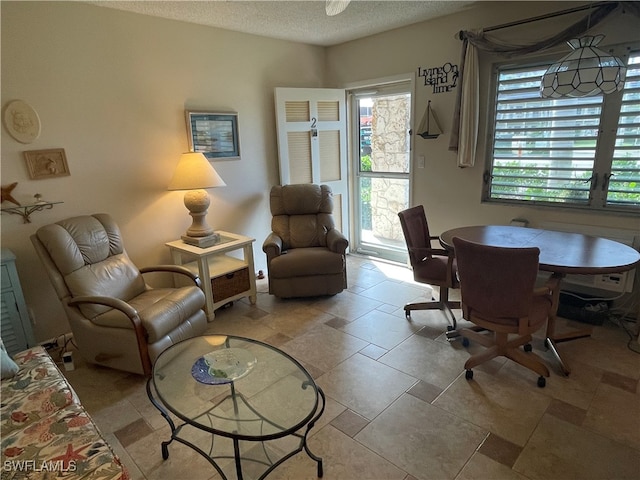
x,y
398,404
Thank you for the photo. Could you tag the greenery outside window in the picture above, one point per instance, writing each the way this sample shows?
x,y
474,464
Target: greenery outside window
x,y
568,152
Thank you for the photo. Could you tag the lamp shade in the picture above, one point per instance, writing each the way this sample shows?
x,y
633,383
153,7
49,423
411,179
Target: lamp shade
x,y
194,172
584,72
334,7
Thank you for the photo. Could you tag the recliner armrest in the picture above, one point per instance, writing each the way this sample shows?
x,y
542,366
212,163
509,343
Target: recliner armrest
x,y
336,241
132,314
173,269
272,246
112,302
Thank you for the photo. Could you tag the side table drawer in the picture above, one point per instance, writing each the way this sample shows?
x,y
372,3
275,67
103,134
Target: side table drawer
x,y
230,284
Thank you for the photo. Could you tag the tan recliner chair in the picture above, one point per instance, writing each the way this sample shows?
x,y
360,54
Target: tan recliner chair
x,y
305,252
117,320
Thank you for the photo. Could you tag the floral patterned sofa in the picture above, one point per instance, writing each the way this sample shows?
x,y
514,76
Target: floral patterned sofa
x,y
46,432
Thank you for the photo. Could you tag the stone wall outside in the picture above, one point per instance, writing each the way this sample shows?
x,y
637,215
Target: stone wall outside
x,y
389,147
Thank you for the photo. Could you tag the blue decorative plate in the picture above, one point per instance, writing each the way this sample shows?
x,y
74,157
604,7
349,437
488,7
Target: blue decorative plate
x,y
223,366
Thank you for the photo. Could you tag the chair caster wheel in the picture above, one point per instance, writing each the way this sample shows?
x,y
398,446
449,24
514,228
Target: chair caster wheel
x,y
541,382
528,347
469,374
465,343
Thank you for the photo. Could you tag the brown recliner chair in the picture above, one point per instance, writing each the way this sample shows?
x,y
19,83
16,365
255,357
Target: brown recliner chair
x,y
499,295
117,320
305,252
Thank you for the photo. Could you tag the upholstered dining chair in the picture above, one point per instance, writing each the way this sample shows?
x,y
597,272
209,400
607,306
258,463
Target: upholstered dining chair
x,y
116,318
305,251
498,294
431,265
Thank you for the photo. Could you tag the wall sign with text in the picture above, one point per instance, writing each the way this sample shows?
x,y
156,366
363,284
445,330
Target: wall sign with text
x,y
443,79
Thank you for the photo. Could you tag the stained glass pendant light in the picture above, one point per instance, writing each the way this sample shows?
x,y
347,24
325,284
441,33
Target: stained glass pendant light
x,y
584,72
334,7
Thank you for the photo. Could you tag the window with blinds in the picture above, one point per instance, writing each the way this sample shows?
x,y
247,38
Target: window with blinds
x,y
623,184
564,151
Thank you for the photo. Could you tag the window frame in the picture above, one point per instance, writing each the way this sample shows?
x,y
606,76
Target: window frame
x,y
400,85
604,148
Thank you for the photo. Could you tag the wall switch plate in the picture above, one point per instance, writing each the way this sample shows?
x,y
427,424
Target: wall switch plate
x,y
420,161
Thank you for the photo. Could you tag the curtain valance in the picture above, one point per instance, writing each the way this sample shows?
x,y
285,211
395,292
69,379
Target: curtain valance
x,y
464,131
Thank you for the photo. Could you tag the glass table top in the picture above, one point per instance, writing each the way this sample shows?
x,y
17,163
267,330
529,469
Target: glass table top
x,y
234,386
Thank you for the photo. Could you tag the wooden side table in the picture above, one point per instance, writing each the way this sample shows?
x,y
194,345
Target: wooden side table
x,y
224,278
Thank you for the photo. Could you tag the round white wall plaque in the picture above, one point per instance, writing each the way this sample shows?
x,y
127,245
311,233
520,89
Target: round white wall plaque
x,y
22,121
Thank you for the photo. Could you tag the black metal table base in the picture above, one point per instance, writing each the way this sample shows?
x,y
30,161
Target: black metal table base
x,y
237,457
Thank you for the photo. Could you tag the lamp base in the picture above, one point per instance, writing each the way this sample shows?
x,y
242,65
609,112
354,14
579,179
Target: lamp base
x,y
202,242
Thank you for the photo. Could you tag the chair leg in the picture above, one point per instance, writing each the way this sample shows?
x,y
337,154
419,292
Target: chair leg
x,y
449,306
474,334
434,305
446,307
443,304
458,333
422,306
528,360
516,342
482,357
501,345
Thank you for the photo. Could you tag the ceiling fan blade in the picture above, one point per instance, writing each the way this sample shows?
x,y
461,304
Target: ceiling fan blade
x,y
334,7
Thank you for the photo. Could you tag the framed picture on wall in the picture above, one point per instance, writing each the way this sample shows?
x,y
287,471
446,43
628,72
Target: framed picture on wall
x,y
46,163
213,134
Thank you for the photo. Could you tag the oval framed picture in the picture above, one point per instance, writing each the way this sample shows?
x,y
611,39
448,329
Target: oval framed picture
x,y
22,121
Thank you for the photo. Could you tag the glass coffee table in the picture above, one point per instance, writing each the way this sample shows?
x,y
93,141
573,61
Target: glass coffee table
x,y
241,389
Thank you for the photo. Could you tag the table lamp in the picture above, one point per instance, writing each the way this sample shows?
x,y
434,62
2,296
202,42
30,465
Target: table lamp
x,y
194,173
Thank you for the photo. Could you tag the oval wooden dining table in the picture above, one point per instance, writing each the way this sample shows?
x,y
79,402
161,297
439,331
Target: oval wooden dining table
x,y
561,253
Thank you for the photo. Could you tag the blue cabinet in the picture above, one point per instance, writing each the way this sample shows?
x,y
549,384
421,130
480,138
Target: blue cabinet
x,y
15,325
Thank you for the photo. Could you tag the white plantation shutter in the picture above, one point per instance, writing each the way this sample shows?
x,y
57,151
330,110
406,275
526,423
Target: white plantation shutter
x,y
299,151
544,149
624,181
329,156
297,111
312,142
559,151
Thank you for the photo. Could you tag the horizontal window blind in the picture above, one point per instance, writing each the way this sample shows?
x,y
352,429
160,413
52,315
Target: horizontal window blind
x,y
544,149
567,151
624,180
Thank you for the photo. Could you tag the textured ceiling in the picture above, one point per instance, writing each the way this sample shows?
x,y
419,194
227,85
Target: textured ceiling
x,y
300,21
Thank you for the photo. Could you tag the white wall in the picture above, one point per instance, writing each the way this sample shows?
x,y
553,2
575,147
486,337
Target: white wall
x,y
111,88
451,195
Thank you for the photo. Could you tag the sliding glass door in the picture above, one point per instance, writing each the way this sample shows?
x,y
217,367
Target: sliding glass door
x,y
380,124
